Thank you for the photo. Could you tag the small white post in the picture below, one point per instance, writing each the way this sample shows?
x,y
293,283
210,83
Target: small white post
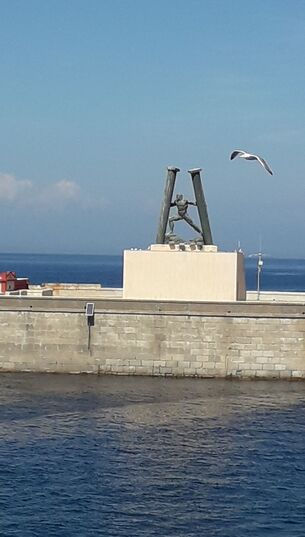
x,y
259,270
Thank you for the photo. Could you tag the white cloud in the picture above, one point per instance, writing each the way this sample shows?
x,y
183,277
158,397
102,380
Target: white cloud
x,y
58,194
67,189
48,196
12,189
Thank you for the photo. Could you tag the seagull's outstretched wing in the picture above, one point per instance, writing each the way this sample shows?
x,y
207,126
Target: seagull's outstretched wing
x,y
250,156
265,165
236,153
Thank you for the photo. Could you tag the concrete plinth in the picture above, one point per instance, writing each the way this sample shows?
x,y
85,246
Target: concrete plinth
x,y
183,272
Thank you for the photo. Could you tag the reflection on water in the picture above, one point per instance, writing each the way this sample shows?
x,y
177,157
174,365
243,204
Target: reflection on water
x,y
122,456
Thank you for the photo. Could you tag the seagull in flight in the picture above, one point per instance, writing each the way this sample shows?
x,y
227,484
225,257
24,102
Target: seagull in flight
x,y
249,156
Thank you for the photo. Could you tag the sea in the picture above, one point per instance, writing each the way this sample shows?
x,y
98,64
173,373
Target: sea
x,y
87,456
276,274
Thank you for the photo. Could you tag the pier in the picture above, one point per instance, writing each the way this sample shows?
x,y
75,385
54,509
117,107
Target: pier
x,y
246,339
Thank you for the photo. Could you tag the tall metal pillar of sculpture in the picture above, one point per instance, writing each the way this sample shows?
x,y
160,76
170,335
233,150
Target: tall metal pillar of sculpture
x,y
201,205
166,203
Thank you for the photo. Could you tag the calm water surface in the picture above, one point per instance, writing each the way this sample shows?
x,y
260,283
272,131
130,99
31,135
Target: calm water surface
x,y
136,457
278,274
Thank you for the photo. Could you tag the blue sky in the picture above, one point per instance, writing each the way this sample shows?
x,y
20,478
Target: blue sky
x,y
99,96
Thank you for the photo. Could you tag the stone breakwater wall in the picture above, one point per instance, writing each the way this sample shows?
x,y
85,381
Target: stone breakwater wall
x,y
129,337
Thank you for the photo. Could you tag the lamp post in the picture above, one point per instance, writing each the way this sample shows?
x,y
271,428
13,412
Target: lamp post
x,y
259,270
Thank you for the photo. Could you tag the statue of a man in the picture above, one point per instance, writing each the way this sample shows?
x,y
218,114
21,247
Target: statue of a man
x,y
182,206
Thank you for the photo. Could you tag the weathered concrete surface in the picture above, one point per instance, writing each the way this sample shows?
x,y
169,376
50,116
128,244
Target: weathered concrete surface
x,y
238,339
274,296
83,290
95,292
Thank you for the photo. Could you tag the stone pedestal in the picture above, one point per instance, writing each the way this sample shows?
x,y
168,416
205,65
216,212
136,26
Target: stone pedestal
x,y
184,272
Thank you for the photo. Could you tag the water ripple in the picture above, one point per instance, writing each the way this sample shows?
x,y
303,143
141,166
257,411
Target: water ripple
x,y
151,457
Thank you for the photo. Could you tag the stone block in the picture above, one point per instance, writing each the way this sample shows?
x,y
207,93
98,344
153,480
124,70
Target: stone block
x,y
298,373
269,367
285,374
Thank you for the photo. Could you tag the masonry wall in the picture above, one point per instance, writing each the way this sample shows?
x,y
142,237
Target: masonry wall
x,y
153,338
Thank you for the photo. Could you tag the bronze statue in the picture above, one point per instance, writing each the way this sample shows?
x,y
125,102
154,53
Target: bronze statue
x,y
182,206
204,229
